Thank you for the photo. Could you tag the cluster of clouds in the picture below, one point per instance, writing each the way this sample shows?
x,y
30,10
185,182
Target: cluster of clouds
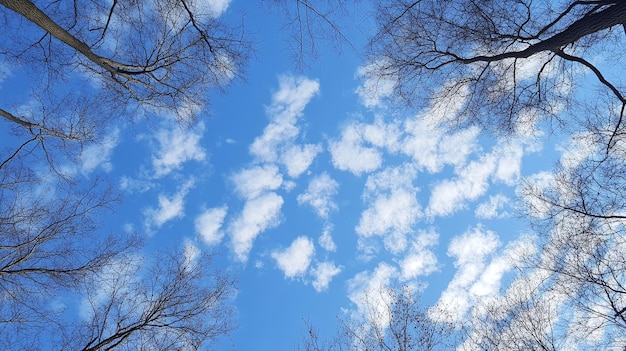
x,y
391,155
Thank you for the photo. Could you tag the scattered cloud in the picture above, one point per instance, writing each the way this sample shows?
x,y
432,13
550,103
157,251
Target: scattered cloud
x,y
492,208
209,225
297,159
319,195
323,273
432,148
99,154
350,154
169,208
294,261
375,87
175,147
287,106
470,251
502,164
258,215
392,206
326,239
251,182
420,260
365,292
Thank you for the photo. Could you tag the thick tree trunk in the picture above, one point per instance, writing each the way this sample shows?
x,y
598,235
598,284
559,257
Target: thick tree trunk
x,y
31,12
595,22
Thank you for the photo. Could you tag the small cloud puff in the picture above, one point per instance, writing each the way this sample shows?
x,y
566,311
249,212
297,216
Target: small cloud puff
x,y
319,195
350,154
208,225
169,207
175,147
492,208
258,215
98,155
294,261
323,273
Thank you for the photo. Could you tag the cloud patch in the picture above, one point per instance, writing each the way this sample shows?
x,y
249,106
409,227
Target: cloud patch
x,y
208,225
169,207
323,273
294,261
258,215
175,147
319,195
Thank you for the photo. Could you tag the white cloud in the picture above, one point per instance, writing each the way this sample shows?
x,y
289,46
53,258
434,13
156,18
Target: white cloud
x,y
509,162
177,146
288,104
470,251
449,196
431,148
383,135
169,207
393,207
191,253
492,207
295,260
502,164
98,155
365,291
252,182
319,195
375,87
208,225
349,153
420,261
326,240
259,214
297,159
323,273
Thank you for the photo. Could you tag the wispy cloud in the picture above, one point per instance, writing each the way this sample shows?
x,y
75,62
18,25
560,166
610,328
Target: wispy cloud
x,y
252,182
502,164
169,207
99,154
319,195
350,152
492,208
276,144
294,261
420,259
392,206
323,273
326,240
366,289
209,225
258,183
175,147
374,87
259,214
470,251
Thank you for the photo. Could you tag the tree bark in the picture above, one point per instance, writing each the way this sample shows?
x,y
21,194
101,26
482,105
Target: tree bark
x,y
592,23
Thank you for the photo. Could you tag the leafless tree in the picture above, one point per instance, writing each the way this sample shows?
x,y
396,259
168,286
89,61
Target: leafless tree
x,y
90,63
314,23
510,61
510,64
171,302
393,320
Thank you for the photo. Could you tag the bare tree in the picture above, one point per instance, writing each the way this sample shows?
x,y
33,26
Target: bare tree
x,y
510,61
393,320
511,64
314,23
170,302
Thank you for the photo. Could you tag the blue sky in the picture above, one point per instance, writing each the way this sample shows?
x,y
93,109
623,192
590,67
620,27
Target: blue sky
x,y
313,190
